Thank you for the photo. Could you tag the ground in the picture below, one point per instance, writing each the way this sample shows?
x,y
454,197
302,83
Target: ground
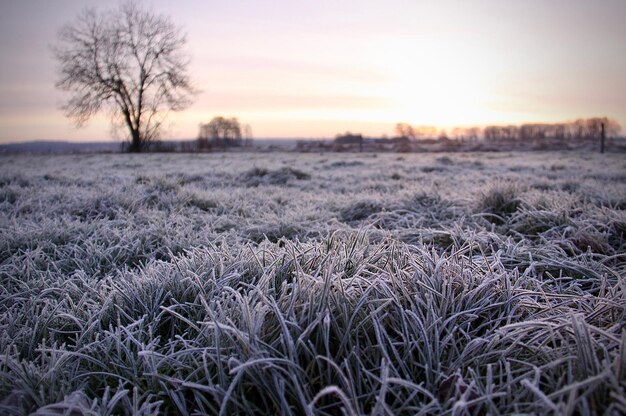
x,y
279,283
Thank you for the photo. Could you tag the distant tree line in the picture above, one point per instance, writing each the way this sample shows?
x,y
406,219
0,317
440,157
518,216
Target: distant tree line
x,y
581,129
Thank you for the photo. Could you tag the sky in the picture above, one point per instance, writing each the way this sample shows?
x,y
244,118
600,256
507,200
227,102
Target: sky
x,y
312,69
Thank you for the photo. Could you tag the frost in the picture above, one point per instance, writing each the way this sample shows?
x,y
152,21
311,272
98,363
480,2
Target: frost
x,y
291,283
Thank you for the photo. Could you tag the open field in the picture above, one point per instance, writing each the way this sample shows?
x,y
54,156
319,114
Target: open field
x,y
283,283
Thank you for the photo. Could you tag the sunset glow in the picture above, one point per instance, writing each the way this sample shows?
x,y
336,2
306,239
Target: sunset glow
x,y
294,69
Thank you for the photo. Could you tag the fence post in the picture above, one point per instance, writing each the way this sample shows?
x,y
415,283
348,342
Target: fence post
x,y
602,137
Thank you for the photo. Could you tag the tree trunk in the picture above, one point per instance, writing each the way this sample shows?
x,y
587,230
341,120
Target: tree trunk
x,y
135,142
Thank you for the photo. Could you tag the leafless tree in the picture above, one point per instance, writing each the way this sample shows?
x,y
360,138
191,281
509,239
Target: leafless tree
x,y
405,130
224,132
129,61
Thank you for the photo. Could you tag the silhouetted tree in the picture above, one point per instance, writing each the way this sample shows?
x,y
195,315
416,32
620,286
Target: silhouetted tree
x,y
128,60
472,133
247,134
593,127
223,132
405,130
416,132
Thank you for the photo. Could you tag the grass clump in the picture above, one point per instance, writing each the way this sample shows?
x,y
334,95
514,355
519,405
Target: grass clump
x,y
444,160
360,210
261,176
499,200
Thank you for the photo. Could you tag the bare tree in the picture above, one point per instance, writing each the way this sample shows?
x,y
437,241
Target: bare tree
x,y
247,135
129,61
405,130
224,132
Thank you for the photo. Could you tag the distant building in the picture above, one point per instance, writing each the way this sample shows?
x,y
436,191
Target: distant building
x,y
349,138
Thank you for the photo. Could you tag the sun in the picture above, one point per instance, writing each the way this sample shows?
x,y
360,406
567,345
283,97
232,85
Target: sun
x,y
436,96
434,87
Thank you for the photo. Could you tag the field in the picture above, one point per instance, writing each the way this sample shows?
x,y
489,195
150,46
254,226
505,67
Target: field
x,y
285,283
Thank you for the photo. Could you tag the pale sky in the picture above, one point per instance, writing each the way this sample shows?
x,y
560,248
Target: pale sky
x,y
295,68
